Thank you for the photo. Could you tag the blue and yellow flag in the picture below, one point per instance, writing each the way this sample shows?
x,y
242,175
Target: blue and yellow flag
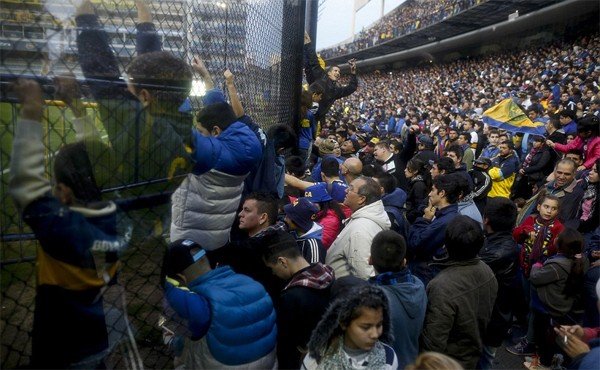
x,y
509,116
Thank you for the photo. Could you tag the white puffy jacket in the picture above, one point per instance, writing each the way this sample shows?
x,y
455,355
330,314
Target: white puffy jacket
x,y
204,207
349,254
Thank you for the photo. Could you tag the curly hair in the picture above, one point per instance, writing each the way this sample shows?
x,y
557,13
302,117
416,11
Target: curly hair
x,y
341,313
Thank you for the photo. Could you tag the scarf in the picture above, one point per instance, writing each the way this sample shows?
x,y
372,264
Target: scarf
x,y
542,237
529,157
393,278
590,197
338,359
317,276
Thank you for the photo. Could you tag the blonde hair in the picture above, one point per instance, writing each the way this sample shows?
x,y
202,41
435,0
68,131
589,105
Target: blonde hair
x,y
434,361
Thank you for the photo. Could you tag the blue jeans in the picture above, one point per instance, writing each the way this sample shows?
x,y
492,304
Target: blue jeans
x,y
527,292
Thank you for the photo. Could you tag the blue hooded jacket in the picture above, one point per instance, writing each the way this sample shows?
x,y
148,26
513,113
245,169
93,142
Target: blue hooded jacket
x,y
408,302
234,312
235,151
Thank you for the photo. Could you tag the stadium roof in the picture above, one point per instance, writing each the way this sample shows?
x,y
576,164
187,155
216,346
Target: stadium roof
x,y
483,15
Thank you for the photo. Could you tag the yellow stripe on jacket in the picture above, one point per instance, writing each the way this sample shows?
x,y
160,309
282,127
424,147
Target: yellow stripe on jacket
x,y
55,272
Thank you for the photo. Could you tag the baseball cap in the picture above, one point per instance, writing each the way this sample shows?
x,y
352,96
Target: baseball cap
x,y
213,96
483,160
301,212
362,137
179,256
425,140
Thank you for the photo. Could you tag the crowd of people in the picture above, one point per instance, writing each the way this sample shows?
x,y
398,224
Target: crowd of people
x,y
419,133
406,18
406,233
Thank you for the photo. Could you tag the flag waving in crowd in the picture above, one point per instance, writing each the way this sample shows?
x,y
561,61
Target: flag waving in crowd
x,y
509,116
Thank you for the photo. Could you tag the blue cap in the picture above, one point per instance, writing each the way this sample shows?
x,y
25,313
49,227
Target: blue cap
x,y
213,96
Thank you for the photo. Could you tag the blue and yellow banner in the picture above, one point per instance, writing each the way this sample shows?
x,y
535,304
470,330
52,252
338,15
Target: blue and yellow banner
x,y
509,116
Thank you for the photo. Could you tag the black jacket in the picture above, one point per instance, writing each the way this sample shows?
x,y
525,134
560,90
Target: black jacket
x,y
299,309
408,150
540,166
417,193
482,183
499,252
245,257
333,91
426,155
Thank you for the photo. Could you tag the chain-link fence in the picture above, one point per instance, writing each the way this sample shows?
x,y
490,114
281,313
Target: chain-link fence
x,y
131,140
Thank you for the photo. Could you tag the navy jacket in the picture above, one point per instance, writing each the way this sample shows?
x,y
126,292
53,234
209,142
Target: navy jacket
x,y
393,204
426,242
76,260
426,238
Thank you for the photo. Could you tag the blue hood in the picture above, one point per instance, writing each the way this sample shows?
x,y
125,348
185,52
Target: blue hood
x,y
397,198
407,288
411,295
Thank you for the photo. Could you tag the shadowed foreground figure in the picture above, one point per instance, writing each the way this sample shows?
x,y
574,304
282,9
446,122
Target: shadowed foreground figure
x,y
77,257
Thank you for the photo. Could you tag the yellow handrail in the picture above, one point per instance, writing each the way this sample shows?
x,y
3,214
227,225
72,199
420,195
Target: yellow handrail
x,y
60,103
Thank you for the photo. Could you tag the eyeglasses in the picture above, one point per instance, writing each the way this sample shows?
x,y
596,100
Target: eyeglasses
x,y
351,190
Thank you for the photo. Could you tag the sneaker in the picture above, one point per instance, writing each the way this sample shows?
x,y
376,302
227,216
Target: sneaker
x,y
523,348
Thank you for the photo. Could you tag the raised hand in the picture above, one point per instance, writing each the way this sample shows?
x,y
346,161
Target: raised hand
x,y
229,76
352,64
29,94
199,67
67,89
144,14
